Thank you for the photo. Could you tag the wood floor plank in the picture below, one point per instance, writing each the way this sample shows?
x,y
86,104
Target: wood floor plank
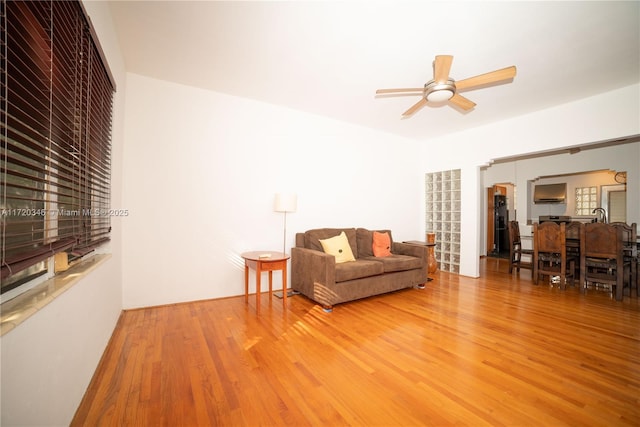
x,y
496,351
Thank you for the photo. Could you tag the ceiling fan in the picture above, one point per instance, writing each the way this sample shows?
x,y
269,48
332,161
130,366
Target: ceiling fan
x,y
443,88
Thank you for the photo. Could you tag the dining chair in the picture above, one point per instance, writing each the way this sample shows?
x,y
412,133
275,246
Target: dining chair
x,y
572,234
550,257
602,259
515,249
630,250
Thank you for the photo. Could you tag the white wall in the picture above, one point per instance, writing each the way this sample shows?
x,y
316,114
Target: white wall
x,y
218,160
48,361
599,118
201,172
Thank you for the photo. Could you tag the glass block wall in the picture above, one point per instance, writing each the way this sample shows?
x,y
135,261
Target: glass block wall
x,y
586,200
443,216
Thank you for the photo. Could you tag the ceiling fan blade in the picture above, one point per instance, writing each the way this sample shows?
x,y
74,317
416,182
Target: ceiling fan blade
x,y
462,102
415,107
414,89
442,67
487,78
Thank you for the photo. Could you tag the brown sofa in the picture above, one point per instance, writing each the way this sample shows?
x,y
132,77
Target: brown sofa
x,y
316,275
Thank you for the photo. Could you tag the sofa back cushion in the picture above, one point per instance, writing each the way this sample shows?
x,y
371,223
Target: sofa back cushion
x,y
312,238
365,242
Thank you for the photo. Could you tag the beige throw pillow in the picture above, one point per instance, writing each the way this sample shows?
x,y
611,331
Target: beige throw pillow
x,y
338,246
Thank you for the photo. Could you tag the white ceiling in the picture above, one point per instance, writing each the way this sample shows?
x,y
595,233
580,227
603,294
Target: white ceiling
x,y
328,58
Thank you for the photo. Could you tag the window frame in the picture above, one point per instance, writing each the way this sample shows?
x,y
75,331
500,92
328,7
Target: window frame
x,y
55,140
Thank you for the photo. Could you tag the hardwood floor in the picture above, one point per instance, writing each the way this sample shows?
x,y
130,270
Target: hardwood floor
x,y
492,351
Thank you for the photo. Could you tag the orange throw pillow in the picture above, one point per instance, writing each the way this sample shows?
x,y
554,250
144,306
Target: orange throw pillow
x,y
381,244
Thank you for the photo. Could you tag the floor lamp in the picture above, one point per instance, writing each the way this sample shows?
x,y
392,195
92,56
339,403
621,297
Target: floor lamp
x,y
285,203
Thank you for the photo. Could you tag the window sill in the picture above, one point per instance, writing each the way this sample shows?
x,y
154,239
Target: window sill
x,y
20,308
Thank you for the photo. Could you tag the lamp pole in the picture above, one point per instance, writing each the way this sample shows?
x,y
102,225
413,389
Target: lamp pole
x,y
285,203
284,238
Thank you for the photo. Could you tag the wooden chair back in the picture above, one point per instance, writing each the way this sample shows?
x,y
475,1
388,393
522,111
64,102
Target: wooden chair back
x,y
629,232
602,257
630,248
550,237
515,248
550,253
514,232
572,230
601,240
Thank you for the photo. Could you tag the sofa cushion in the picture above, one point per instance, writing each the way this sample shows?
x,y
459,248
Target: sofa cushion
x,y
365,242
358,269
397,262
312,238
381,244
338,246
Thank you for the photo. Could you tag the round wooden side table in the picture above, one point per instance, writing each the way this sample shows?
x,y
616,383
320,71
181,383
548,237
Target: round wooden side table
x,y
265,261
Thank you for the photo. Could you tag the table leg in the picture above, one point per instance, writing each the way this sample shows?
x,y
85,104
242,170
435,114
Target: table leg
x,y
258,274
284,284
270,284
246,283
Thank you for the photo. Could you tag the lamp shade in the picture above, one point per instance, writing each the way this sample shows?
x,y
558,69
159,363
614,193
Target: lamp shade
x,y
285,202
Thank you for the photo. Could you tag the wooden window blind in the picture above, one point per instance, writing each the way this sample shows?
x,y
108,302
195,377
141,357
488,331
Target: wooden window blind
x,y
55,159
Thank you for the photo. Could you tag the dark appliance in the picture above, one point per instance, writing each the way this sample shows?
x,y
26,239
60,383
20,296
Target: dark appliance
x,y
500,223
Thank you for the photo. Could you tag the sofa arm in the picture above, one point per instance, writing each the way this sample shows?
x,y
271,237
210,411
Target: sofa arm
x,y
410,249
418,251
310,267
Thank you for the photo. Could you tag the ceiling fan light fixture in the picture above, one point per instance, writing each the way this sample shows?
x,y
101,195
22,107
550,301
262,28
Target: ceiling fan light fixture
x,y
443,90
439,95
439,92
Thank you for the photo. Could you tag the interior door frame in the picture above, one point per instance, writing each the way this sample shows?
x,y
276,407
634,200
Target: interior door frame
x,y
604,196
